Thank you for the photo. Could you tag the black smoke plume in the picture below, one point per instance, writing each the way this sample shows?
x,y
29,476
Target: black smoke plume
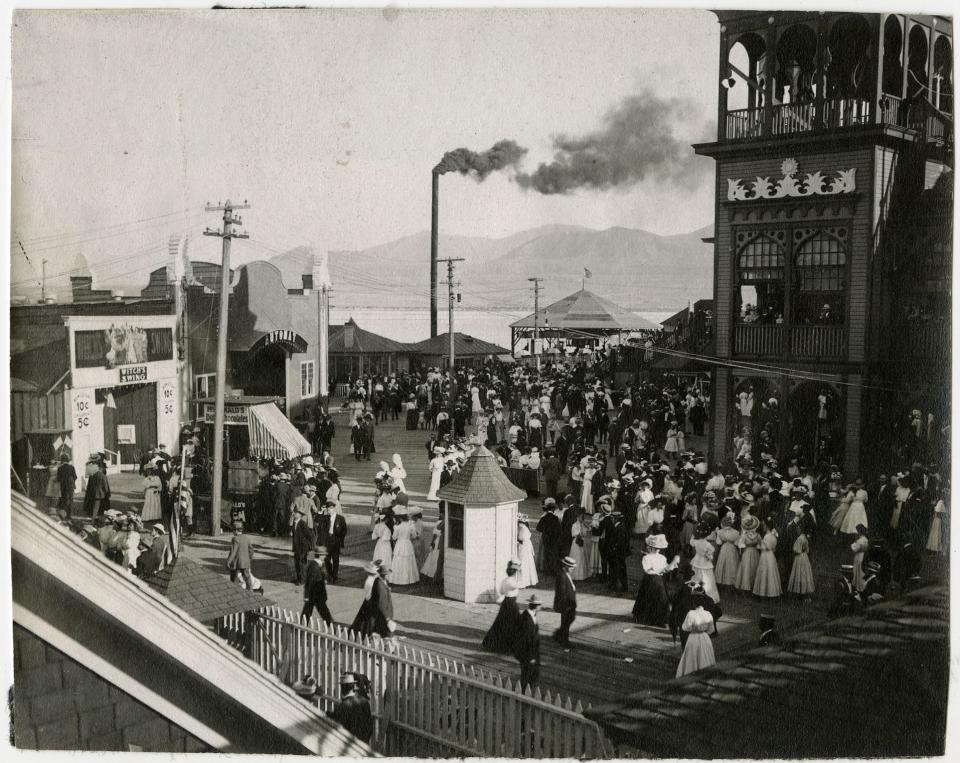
x,y
505,153
638,140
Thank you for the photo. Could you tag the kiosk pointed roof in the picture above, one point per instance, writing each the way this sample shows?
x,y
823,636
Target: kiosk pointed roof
x,y
481,481
585,310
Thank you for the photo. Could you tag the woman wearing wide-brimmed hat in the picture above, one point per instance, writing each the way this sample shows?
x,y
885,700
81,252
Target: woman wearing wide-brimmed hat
x,y
652,606
728,559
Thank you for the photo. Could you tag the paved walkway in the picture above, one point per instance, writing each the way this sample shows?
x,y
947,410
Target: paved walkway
x,y
612,655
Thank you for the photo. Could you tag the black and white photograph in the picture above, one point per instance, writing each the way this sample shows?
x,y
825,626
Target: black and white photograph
x,y
450,382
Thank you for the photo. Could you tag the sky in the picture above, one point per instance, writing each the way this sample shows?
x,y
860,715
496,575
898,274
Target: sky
x,y
124,123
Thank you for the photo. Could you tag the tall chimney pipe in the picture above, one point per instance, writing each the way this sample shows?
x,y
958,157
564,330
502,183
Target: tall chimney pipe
x,y
434,236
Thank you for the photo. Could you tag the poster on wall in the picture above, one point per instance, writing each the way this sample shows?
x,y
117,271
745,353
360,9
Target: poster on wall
x,y
122,345
127,434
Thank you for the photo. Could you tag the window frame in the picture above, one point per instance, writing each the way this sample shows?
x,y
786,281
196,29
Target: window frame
x,y
311,378
209,379
456,541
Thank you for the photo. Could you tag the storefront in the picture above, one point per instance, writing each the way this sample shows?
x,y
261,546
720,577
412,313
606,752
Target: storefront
x,y
124,396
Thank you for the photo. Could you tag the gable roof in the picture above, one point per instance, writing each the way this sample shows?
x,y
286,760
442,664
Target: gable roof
x,y
464,346
769,702
481,481
202,594
585,310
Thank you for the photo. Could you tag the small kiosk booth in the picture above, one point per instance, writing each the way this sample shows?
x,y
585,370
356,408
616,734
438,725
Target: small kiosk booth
x,y
480,528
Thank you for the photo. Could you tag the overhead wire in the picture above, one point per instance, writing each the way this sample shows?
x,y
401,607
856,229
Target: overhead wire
x,y
41,239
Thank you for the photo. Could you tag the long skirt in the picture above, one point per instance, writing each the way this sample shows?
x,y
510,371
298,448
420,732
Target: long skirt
x,y
404,570
697,654
503,633
383,553
528,568
429,567
936,538
767,581
857,515
705,576
801,576
728,564
652,606
747,571
839,515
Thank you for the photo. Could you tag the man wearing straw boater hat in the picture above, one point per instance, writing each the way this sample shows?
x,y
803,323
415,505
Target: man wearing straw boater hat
x,y
353,710
526,648
565,601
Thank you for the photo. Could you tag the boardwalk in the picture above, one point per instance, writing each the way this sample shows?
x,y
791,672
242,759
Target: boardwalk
x,y
612,656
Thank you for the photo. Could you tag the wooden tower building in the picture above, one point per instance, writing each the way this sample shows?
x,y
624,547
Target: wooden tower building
x,y
834,198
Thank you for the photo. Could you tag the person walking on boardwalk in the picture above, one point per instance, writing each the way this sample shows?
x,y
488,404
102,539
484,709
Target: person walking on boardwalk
x,y
363,621
304,539
526,647
315,588
504,629
565,601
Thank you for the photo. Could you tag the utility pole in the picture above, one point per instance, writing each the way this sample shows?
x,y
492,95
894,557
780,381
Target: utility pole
x,y
227,234
450,306
536,317
43,284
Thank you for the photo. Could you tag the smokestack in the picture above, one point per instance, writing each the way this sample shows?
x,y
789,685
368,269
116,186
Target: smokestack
x,y
434,236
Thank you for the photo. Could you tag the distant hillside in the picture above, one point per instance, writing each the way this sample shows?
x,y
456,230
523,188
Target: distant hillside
x,y
637,269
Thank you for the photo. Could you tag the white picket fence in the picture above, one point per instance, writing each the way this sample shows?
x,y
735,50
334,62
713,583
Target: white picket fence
x,y
424,705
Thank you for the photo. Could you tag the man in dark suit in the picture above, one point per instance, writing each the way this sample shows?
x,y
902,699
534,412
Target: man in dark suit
x,y
565,601
567,516
326,430
304,539
353,711
67,477
619,550
526,648
315,588
549,529
335,531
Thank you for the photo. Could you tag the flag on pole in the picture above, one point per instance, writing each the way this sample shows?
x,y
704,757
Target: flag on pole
x,y
587,273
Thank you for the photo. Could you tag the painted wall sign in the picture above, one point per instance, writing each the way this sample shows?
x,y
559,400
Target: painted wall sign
x,y
793,184
291,341
133,374
234,415
121,345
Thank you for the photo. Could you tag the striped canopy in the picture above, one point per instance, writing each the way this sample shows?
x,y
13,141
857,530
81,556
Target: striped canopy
x,y
272,435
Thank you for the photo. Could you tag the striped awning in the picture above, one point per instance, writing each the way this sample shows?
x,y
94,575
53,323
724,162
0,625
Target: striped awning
x,y
272,435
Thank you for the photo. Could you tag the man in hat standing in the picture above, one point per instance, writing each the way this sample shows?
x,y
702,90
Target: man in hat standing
x,y
353,710
97,496
282,499
565,601
304,539
315,588
526,647
335,535
381,605
67,479
549,529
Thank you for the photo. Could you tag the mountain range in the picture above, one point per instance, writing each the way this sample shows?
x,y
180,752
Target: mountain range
x,y
636,269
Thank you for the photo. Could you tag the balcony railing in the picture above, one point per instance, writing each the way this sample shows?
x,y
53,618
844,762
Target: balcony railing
x,y
809,116
757,340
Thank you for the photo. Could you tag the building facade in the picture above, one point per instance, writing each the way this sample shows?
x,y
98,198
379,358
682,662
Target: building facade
x,y
833,234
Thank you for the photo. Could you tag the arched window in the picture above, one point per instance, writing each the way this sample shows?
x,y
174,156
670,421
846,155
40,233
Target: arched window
x,y
796,52
819,275
850,68
748,55
760,275
943,74
917,76
892,52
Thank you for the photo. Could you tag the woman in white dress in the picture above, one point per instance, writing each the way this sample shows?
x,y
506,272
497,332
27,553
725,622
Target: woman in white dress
x,y
839,514
702,563
857,514
151,496
429,568
859,548
578,551
131,544
397,473
698,652
938,541
404,569
436,468
382,550
476,407
528,564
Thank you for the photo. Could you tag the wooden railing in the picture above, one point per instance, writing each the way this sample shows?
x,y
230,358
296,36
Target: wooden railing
x,y
846,112
800,117
423,705
794,117
818,341
757,339
744,123
893,110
